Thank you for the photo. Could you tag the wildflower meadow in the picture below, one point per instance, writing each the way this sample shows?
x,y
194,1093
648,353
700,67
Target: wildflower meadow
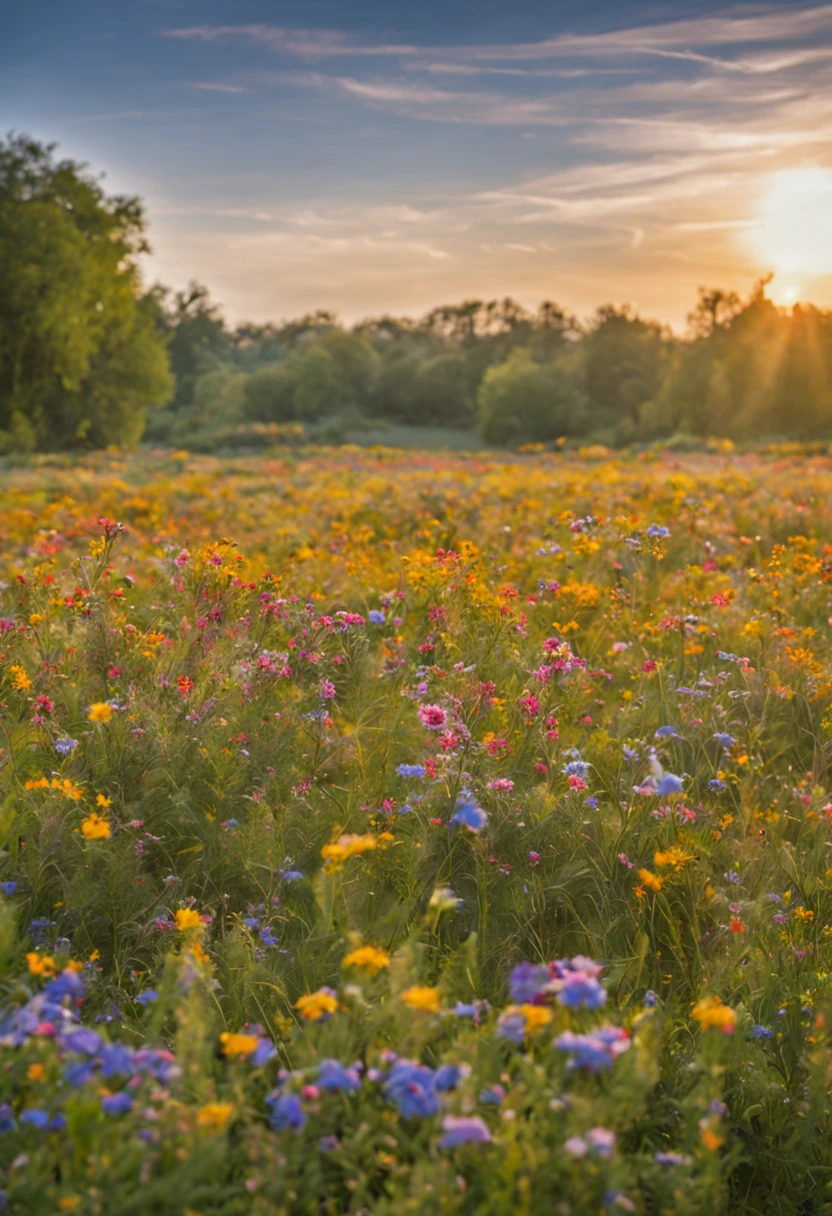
x,y
395,832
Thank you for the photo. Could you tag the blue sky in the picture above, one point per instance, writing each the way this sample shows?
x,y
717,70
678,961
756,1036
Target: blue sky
x,y
373,157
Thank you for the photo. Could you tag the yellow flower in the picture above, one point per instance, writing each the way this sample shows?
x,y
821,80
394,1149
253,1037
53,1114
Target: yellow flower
x,y
316,1006
188,918
100,712
422,997
40,964
675,857
101,801
200,954
710,1011
95,827
238,1044
534,1016
35,619
338,851
68,1203
35,1072
368,958
20,681
214,1115
95,956
650,880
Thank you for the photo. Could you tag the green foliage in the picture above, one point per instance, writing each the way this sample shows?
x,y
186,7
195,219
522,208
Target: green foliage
x,y
522,400
79,356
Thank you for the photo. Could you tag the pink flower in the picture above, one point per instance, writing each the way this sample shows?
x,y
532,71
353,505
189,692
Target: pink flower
x,y
625,861
501,784
433,717
534,858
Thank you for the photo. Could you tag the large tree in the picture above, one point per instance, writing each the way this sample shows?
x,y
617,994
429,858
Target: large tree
x,y
80,355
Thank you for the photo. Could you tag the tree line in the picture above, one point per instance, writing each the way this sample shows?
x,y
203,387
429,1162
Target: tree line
x,y
89,357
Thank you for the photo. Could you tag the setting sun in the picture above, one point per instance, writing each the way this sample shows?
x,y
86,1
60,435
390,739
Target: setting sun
x,y
793,232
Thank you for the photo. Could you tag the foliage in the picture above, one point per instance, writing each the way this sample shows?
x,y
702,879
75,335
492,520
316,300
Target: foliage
x,y
300,834
80,357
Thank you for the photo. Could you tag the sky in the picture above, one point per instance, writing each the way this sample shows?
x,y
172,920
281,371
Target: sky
x,y
371,157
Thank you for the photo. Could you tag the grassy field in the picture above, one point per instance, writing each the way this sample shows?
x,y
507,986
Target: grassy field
x,y
392,831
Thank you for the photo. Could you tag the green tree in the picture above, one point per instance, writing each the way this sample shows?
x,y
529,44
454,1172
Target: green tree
x,y
80,357
522,401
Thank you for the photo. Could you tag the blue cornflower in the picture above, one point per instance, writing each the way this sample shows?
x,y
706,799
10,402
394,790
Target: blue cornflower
x,y
285,1112
667,732
650,999
251,922
116,1060
469,815
7,1123
668,784
376,617
576,768
65,746
117,1104
447,1077
411,1088
333,1075
34,1117
412,771
147,997
724,740
8,888
761,1032
657,531
85,1042
291,876
716,785
263,1053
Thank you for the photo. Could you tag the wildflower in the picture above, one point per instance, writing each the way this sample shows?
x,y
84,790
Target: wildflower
x,y
710,1012
594,1051
468,815
333,1075
286,1112
317,1006
65,746
214,1116
340,850
187,918
671,1158
463,1129
8,888
657,531
100,711
650,999
625,861
761,1032
410,1086
724,740
422,997
528,981
433,717
117,1104
576,983
40,964
648,879
376,617
291,876
667,732
668,784
95,827
412,771
534,858
367,958
238,1044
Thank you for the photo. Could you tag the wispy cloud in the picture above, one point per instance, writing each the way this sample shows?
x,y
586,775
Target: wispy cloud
x,y
211,87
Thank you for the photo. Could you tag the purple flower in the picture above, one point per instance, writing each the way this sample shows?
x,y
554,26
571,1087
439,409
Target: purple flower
x,y
447,1077
263,1053
726,741
650,999
528,981
594,1051
667,732
576,983
668,784
671,1158
65,746
464,1129
412,772
657,531
375,617
117,1104
761,1032
34,1117
291,876
8,888
147,997
116,1060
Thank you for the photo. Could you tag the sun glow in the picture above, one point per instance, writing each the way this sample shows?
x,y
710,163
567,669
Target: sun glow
x,y
792,233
